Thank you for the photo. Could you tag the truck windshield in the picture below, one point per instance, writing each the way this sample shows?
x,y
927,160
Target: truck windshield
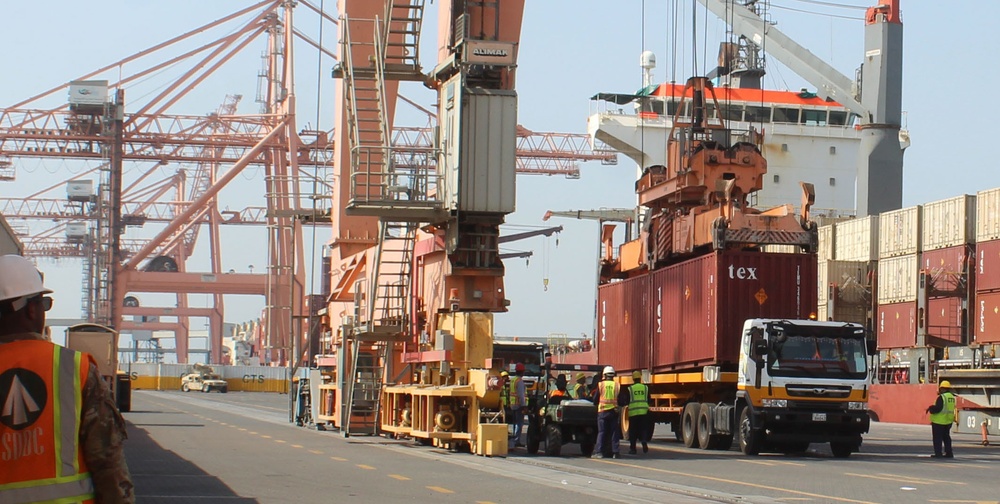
x,y
817,355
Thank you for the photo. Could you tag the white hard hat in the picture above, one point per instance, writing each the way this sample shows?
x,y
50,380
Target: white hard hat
x,y
19,278
608,370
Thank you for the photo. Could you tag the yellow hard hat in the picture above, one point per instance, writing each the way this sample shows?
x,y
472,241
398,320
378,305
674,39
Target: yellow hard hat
x,y
580,376
944,384
636,375
504,373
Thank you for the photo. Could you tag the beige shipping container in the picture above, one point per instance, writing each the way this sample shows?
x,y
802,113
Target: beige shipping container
x,y
988,215
899,232
781,249
897,279
856,239
851,278
949,223
9,243
827,240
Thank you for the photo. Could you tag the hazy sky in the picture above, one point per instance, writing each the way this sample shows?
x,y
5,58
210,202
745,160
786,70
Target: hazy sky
x,y
570,50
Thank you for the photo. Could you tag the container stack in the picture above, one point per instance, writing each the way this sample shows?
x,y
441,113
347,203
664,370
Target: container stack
x,y
846,264
986,313
899,240
948,238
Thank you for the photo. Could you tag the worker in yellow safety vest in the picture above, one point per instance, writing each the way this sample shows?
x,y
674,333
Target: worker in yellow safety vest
x,y
579,390
609,433
62,435
513,397
942,417
638,413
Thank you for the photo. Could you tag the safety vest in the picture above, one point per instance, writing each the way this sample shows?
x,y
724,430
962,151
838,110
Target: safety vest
x,y
509,396
947,414
579,391
639,405
41,389
609,396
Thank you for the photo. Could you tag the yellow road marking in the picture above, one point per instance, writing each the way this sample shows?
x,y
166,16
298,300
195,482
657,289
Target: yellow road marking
x,y
365,466
296,446
785,462
440,489
317,452
279,440
400,477
253,432
223,423
242,429
265,436
903,479
736,482
485,502
338,459
794,499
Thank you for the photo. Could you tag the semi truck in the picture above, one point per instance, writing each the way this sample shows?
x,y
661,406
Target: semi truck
x,y
715,302
102,343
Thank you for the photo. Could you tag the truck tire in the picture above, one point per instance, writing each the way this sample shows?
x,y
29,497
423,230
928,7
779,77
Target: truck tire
x,y
689,424
534,437
705,437
553,440
587,446
185,388
841,449
750,438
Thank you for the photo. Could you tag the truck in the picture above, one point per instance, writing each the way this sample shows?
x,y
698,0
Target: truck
x,y
102,343
715,302
204,379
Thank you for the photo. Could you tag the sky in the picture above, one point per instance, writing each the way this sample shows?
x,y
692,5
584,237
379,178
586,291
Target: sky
x,y
569,50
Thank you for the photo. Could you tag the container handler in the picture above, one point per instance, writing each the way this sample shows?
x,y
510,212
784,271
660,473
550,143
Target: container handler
x,y
718,322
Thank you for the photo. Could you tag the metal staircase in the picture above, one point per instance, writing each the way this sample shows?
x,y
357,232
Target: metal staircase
x,y
400,191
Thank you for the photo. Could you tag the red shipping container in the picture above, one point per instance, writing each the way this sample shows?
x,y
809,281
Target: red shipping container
x,y
622,324
946,269
944,321
896,325
700,305
987,266
986,319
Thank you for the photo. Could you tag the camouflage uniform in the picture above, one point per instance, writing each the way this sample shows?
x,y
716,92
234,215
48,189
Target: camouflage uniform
x,y
102,432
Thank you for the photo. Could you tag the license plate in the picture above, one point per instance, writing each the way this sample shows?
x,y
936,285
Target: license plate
x,y
819,417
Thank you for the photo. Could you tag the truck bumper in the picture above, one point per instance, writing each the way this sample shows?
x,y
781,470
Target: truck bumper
x,y
815,426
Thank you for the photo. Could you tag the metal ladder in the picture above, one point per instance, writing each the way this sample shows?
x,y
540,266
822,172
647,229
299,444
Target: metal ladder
x,y
364,395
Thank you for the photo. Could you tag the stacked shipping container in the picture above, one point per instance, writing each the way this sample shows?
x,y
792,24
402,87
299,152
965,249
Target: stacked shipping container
x,y
847,257
986,312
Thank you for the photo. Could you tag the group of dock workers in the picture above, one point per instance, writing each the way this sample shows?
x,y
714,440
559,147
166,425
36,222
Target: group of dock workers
x,y
609,396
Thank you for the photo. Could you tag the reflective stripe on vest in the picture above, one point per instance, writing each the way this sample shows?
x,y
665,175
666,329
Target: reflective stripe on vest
x,y
44,391
608,397
639,404
509,396
947,414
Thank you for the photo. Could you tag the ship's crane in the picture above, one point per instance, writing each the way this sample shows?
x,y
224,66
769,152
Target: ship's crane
x,y
876,96
700,200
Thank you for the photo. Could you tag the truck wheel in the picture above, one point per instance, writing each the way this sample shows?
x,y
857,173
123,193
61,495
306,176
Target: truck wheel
x,y
725,442
587,446
534,438
705,438
689,424
795,447
553,440
750,439
841,449
185,388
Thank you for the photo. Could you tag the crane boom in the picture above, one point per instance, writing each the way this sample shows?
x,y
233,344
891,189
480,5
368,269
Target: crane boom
x,y
603,215
831,83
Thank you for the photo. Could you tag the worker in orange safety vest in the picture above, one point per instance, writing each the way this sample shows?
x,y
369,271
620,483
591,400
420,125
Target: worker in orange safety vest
x,y
62,432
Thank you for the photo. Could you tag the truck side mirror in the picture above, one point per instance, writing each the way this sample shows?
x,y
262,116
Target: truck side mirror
x,y
871,346
760,348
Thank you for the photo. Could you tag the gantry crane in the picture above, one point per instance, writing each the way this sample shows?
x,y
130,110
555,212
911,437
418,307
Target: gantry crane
x,y
152,136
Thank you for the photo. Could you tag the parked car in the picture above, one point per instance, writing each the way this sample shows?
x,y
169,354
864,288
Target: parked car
x,y
205,382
